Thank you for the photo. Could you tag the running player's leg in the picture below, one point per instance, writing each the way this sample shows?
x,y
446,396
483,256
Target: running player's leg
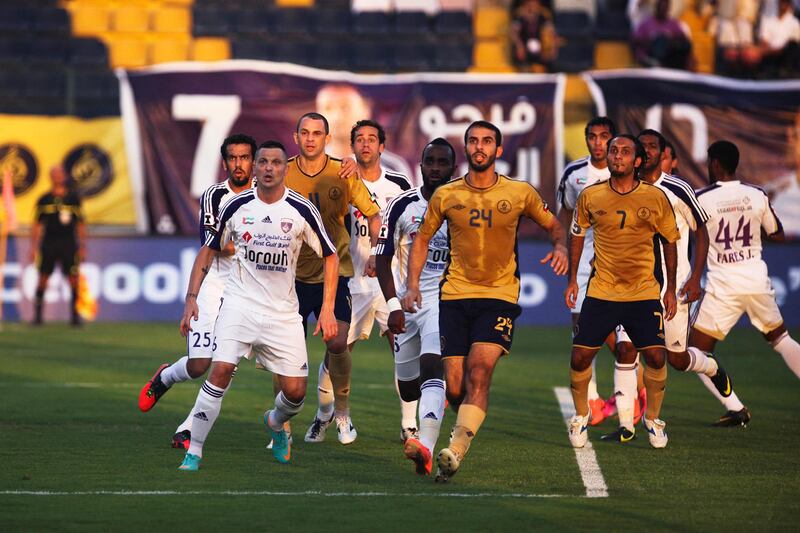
x,y
766,317
340,364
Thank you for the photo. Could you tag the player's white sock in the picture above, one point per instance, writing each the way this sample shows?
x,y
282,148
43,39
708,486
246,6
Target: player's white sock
x,y
176,372
790,351
324,393
284,410
187,424
701,363
206,410
408,410
431,412
625,391
731,403
593,395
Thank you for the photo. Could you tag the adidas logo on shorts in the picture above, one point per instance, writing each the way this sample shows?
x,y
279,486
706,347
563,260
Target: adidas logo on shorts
x,y
304,367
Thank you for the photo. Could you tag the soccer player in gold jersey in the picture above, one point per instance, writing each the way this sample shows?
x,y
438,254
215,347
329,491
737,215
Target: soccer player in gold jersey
x,y
480,287
628,217
315,176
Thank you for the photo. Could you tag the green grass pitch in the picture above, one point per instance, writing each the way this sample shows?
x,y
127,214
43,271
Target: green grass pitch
x,y
76,453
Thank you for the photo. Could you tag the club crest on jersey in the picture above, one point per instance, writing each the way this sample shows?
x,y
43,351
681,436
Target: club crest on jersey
x,y
208,220
248,220
247,237
335,193
643,213
504,206
286,225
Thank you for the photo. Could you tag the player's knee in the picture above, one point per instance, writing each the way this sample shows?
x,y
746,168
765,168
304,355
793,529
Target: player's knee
x,y
338,344
655,357
625,353
678,361
197,367
430,367
581,359
221,374
409,390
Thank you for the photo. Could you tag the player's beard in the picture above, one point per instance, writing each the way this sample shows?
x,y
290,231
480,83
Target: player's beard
x,y
486,164
241,182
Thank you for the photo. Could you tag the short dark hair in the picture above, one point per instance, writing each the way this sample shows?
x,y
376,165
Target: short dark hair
x,y
639,147
371,124
662,141
272,144
601,121
498,137
726,153
313,116
237,138
439,141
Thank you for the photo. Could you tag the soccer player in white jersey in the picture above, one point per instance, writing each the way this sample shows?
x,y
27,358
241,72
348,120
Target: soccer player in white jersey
x,y
368,140
237,161
690,218
259,313
737,280
578,175
417,350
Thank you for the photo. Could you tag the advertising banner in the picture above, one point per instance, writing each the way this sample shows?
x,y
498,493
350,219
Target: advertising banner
x,y
176,117
693,110
92,153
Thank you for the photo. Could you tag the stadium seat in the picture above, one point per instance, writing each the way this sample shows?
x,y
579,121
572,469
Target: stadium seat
x,y
336,55
210,49
210,22
44,83
372,57
53,21
412,56
290,51
492,55
88,52
411,24
14,50
96,107
128,53
613,54
372,23
166,50
491,22
251,22
47,51
612,26
573,24
250,48
454,24
131,18
575,56
172,19
294,3
291,21
94,83
15,21
89,19
332,22
452,56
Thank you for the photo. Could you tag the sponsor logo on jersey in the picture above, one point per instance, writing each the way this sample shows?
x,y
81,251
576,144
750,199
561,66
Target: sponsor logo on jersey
x,y
246,237
286,225
273,261
89,168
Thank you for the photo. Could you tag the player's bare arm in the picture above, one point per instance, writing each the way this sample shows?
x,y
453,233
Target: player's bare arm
x,y
383,269
671,261
691,290
558,257
575,251
228,250
327,321
200,268
374,224
778,236
412,300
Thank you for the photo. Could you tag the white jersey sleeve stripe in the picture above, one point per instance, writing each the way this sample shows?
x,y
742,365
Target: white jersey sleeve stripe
x,y
688,194
310,213
225,213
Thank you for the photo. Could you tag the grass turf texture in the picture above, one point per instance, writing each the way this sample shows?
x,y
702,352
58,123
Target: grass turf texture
x,y
70,423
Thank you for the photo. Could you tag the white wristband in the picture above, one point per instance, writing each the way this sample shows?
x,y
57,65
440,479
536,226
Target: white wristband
x,y
394,305
373,250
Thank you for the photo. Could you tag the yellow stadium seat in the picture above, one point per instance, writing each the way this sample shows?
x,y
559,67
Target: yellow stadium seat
x,y
172,19
131,18
491,55
613,54
164,51
127,53
210,49
88,19
490,22
294,3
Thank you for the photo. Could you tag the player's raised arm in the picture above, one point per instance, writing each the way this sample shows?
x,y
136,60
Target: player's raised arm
x,y
200,268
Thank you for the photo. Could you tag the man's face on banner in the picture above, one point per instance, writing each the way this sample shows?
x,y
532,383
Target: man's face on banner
x,y
343,106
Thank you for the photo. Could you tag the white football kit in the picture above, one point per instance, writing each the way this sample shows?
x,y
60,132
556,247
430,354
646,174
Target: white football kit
x,y
689,216
400,224
260,308
200,339
367,299
577,176
737,280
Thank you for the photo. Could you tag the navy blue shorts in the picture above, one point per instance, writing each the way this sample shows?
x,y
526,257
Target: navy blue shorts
x,y
463,323
310,297
643,321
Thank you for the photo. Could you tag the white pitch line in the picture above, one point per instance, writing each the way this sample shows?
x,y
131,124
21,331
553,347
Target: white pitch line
x,y
587,460
274,493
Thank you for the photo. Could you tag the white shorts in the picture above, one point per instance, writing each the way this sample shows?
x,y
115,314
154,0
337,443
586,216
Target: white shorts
x,y
368,307
676,331
278,342
717,315
200,339
421,337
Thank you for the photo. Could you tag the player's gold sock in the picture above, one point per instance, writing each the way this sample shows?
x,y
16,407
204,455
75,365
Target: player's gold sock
x,y
339,366
655,381
640,373
468,422
579,384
